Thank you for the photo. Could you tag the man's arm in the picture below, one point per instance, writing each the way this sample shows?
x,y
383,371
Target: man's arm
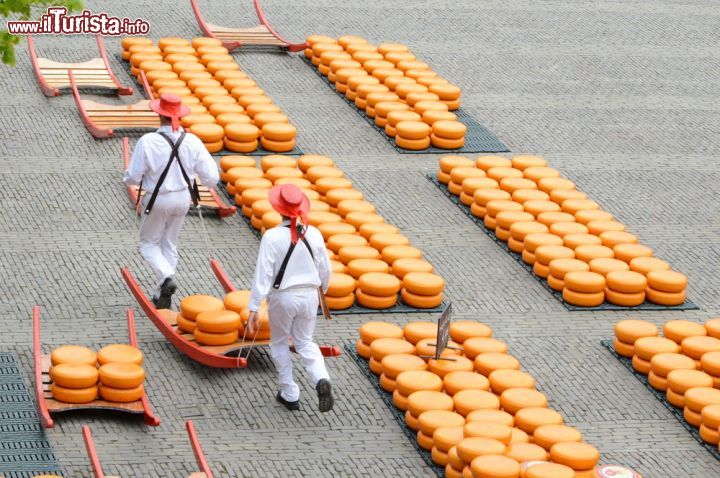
x,y
263,278
138,165
206,168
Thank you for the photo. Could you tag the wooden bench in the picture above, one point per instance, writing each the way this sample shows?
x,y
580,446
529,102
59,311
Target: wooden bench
x,y
232,38
96,73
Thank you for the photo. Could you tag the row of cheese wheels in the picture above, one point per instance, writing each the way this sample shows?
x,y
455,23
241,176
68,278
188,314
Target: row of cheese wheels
x,y
684,363
76,377
371,261
403,95
569,240
477,413
213,321
228,109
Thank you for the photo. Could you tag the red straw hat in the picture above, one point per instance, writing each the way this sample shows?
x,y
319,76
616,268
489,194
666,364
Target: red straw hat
x,y
170,106
288,200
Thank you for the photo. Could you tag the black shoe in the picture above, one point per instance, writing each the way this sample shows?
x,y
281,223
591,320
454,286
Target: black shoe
x,y
292,406
325,398
167,289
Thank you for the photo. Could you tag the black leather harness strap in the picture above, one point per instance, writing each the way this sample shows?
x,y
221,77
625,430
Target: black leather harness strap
x,y
281,273
174,154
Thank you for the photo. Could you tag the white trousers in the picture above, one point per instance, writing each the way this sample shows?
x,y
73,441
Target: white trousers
x,y
293,313
159,232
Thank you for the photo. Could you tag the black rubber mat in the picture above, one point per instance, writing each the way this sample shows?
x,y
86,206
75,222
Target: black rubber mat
x,y
399,308
687,305
478,138
24,449
678,412
397,413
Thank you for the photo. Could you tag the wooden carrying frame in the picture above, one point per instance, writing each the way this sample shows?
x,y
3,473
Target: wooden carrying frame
x,y
232,38
209,200
48,406
200,459
96,73
101,119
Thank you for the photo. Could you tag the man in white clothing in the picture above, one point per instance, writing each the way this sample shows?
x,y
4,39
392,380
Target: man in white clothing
x,y
292,266
165,163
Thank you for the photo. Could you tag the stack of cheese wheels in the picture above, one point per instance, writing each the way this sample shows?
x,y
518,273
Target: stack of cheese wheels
x,y
74,374
371,331
679,381
234,161
210,134
422,401
377,290
710,364
382,348
129,42
625,288
192,306
448,163
558,268
413,135
428,423
423,290
584,289
121,381
696,400
393,365
278,137
241,137
710,424
646,348
217,327
341,291
666,287
412,381
627,332
447,134
581,457
238,302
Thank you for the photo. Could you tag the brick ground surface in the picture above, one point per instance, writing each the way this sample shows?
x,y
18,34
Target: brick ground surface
x,y
620,96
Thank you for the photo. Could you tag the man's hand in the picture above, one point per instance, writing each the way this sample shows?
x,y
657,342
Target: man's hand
x,y
253,323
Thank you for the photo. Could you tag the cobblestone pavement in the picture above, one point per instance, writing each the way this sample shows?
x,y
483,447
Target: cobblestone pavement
x,y
620,96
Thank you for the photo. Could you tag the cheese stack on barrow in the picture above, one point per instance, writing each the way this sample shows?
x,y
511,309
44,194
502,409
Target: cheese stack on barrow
x,y
76,378
228,109
373,263
479,415
684,363
580,249
403,95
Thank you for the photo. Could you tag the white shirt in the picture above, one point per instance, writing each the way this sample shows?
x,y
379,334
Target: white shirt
x,y
152,153
301,270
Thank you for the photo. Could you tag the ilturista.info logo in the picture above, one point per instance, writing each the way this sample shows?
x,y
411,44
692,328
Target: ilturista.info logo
x,y
57,22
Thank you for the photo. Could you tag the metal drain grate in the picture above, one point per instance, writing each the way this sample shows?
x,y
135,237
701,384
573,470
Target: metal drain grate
x,y
478,138
24,449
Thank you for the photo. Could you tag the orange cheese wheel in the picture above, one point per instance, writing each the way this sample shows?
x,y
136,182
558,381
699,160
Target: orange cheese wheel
x,y
414,332
565,228
383,347
434,419
628,252
74,375
664,298
279,131
529,419
392,253
588,216
628,282
449,129
381,240
420,301
550,218
454,382
657,382
120,353
74,395
478,345
218,321
448,163
370,331
358,267
492,430
495,466
712,328
578,456
337,190
600,227
239,146
692,417
341,285
121,395
647,347
425,400
347,254
554,282
121,375
667,281
395,364
235,161
472,447
446,437
629,331
379,284
237,300
560,267
583,281
493,415
644,265
194,119
215,338
544,252
373,301
524,195
680,381
515,399
404,266
445,143
341,303
522,452
663,363
537,207
697,346
423,283
503,379
589,252
411,381
520,230
505,219
548,435
710,363
277,146
641,365
413,129
226,119
679,330
185,325
338,241
711,416
469,400
490,161
536,173
524,161
73,354
462,330
443,367
483,197
604,266
432,116
487,362
709,435
362,349
623,298
624,349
